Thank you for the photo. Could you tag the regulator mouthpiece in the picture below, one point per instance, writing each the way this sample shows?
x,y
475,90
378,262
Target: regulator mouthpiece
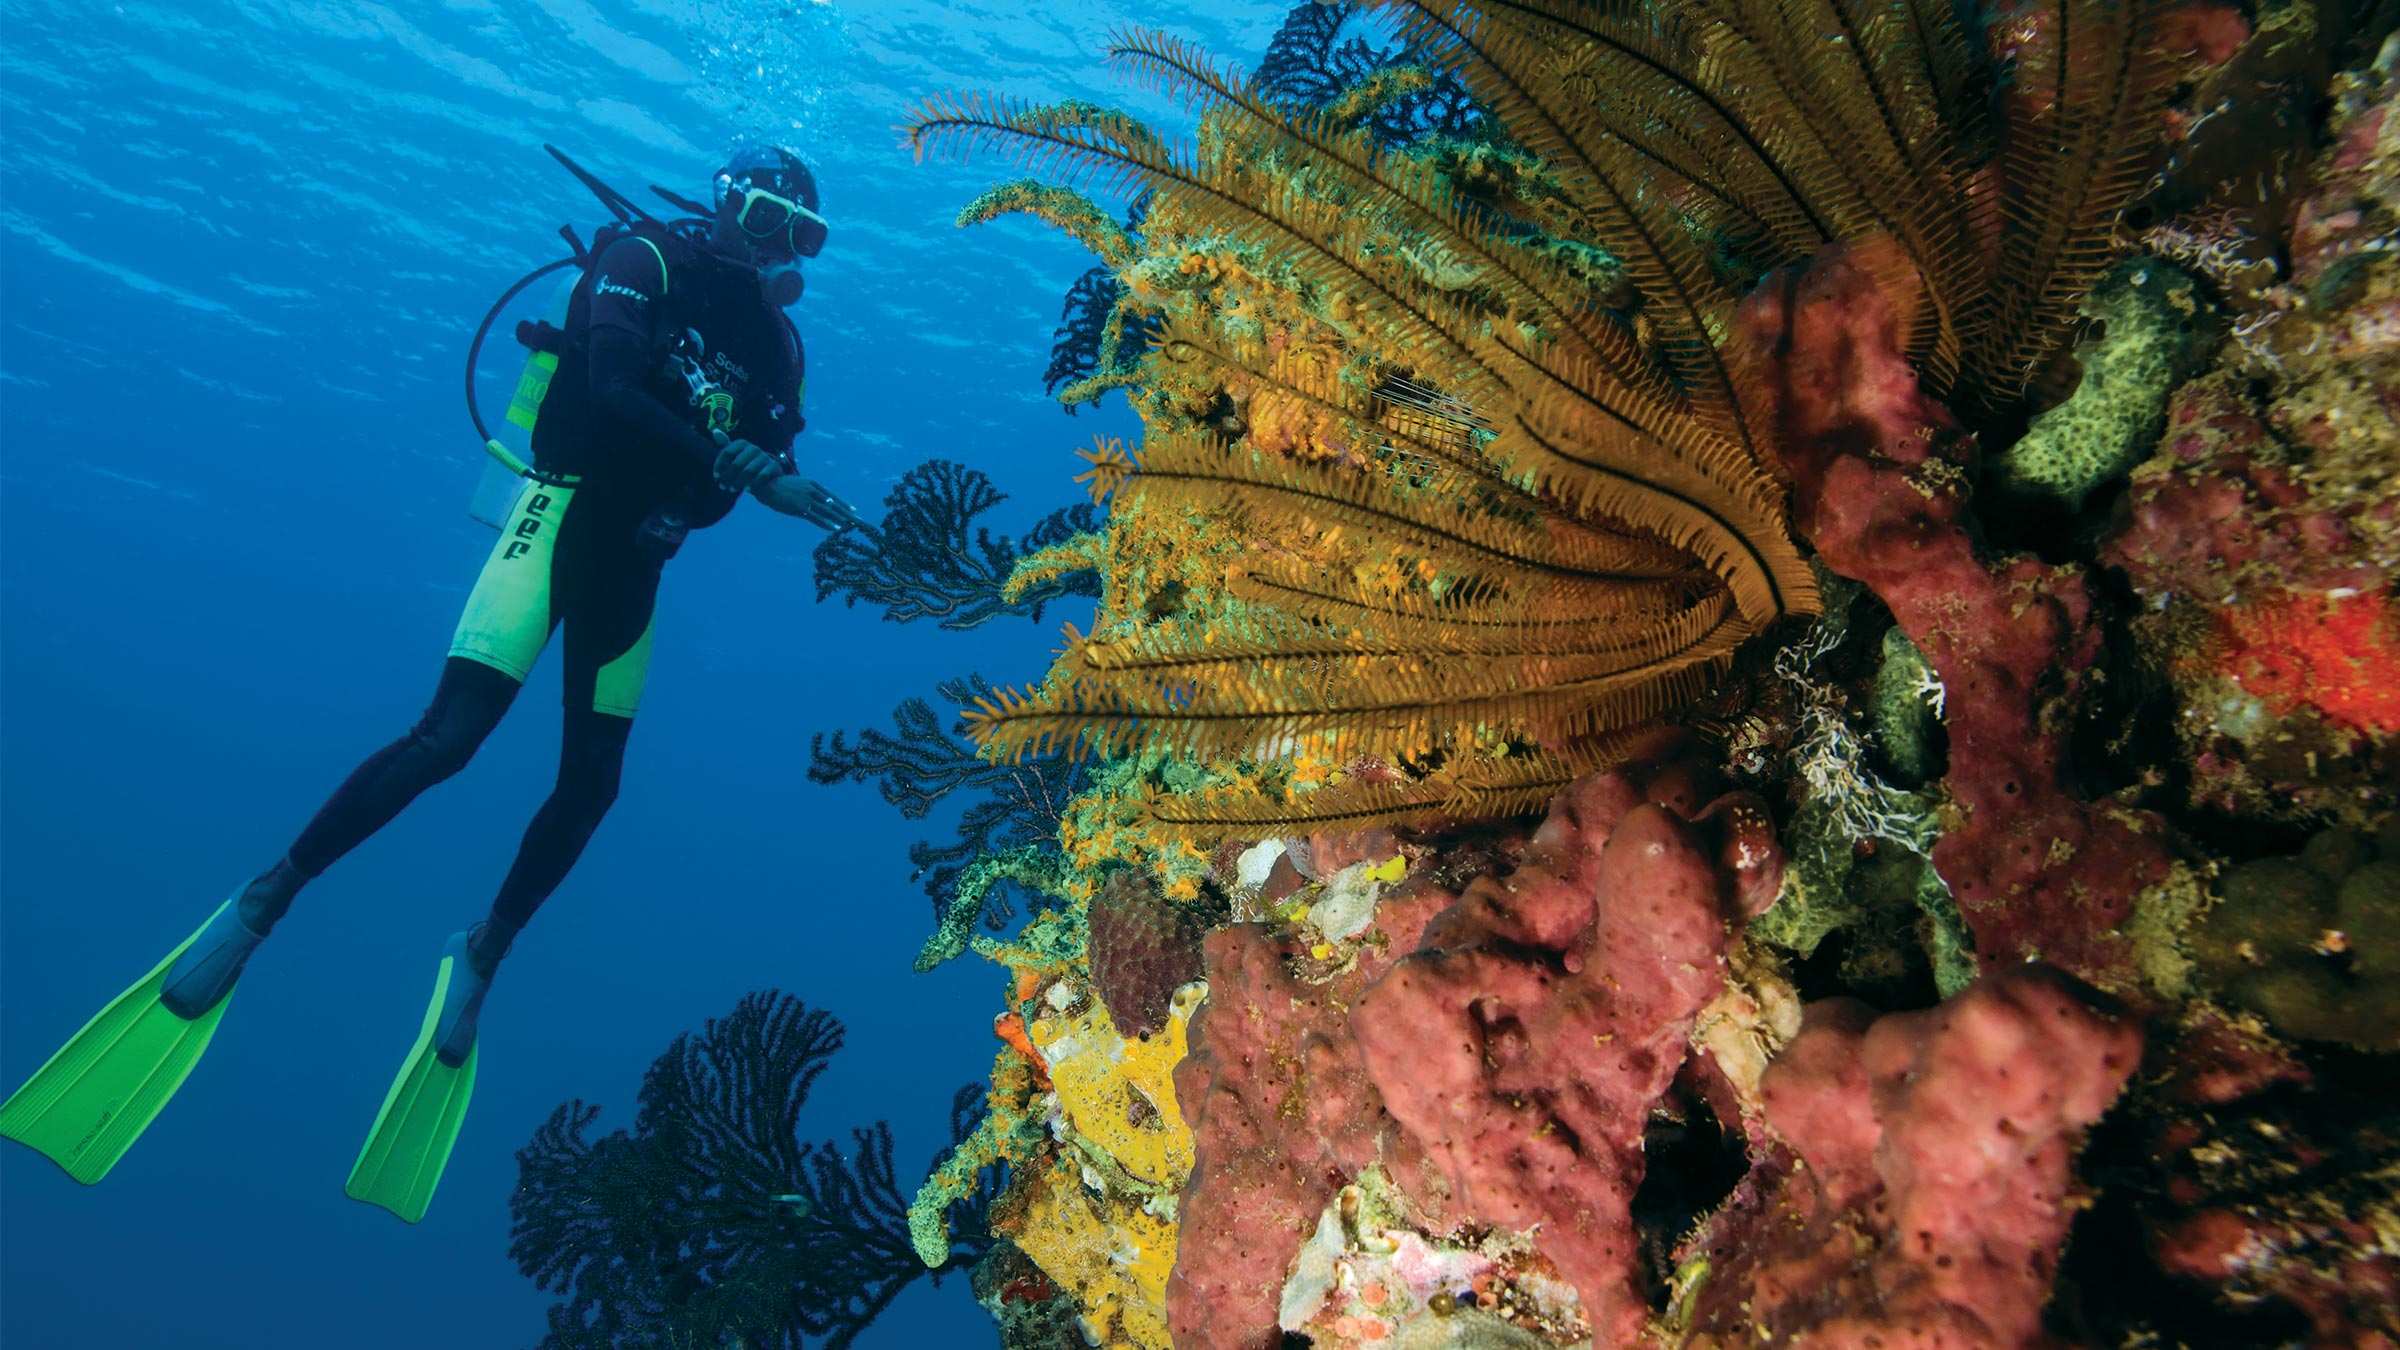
x,y
782,284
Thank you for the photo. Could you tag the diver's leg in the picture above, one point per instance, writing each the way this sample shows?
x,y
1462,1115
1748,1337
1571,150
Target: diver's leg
x,y
501,631
470,701
591,761
419,1123
608,595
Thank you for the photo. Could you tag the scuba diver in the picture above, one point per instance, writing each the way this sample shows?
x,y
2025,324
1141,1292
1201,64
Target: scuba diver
x,y
677,379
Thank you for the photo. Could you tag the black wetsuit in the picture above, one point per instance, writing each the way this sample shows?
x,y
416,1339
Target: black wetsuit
x,y
627,450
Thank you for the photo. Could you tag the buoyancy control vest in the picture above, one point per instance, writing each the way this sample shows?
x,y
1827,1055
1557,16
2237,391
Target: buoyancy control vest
x,y
545,338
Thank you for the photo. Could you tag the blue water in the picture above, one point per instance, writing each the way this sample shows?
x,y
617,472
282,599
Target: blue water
x,y
242,243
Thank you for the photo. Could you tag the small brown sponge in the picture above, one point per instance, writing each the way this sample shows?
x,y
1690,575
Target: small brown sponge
x,y
2312,942
1144,947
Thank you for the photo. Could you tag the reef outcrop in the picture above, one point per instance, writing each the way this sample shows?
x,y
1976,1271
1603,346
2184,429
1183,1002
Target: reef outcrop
x,y
1881,479
1930,1180
1498,1052
1718,751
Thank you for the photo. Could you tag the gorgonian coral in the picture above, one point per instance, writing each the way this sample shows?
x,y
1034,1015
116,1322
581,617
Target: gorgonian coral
x,y
923,763
1311,65
1082,330
713,1222
1100,338
929,559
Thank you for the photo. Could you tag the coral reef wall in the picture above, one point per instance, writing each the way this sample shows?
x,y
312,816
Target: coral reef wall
x,y
1742,692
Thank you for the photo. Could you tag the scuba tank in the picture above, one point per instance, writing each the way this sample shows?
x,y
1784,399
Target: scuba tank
x,y
510,454
508,458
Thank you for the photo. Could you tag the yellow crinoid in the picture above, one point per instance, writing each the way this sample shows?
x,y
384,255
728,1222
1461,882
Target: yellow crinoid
x,y
1484,492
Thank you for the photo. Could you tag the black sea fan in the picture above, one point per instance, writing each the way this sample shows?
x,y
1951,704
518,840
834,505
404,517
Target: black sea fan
x,y
1082,320
930,560
1311,66
712,1223
928,758
1100,339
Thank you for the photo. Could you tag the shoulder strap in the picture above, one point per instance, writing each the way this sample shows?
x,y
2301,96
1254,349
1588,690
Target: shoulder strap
x,y
660,254
655,238
647,233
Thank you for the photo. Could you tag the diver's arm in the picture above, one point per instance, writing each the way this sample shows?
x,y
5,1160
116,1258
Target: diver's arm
x,y
797,495
623,352
749,467
789,492
767,472
620,389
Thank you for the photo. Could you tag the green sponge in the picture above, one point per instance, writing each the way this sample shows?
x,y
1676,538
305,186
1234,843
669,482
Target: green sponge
x,y
1904,708
2152,338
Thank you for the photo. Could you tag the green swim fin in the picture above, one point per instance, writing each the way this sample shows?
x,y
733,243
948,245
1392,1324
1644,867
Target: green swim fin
x,y
404,1155
88,1104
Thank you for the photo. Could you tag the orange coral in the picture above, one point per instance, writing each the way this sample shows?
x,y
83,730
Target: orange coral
x,y
2338,654
1010,1027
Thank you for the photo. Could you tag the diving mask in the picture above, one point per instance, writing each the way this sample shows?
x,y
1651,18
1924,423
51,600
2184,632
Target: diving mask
x,y
776,222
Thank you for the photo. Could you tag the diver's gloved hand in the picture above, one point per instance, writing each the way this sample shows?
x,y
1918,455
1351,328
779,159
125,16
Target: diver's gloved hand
x,y
742,466
806,498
